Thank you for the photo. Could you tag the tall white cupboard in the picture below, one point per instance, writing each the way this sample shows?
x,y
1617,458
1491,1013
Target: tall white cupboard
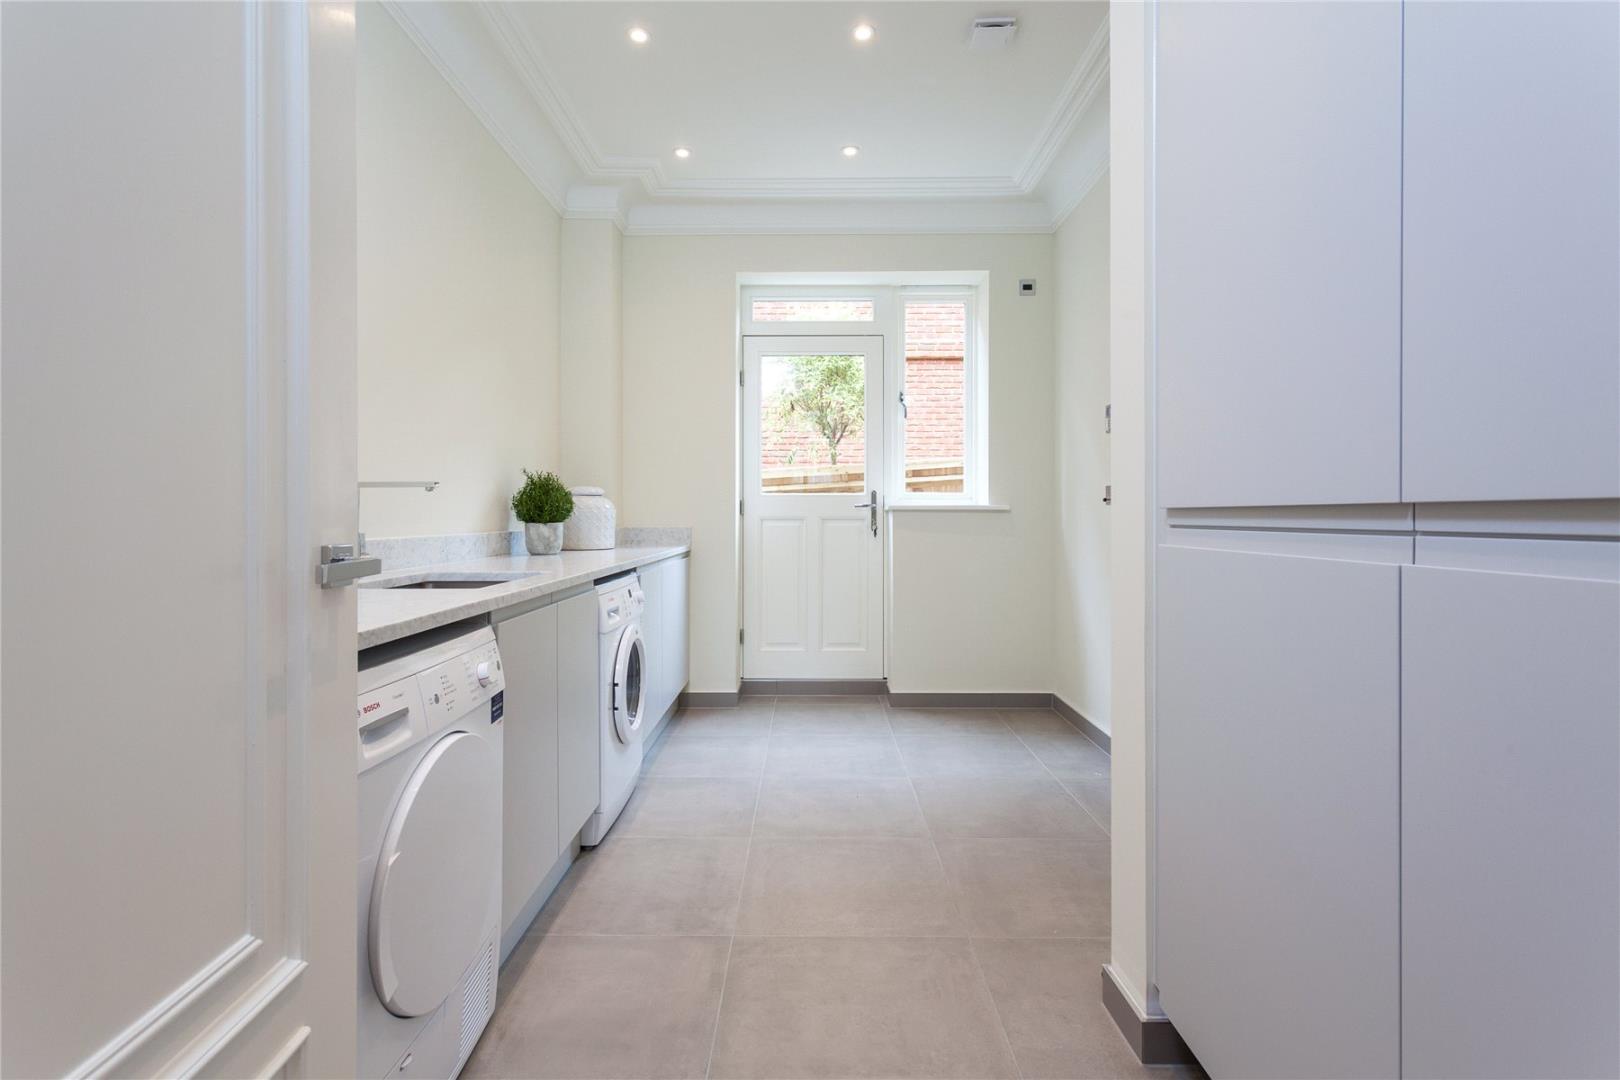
x,y
1387,603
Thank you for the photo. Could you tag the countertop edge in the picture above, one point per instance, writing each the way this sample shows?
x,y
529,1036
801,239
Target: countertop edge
x,y
474,606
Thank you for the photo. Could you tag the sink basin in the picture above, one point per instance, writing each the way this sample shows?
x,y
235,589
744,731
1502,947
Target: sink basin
x,y
447,583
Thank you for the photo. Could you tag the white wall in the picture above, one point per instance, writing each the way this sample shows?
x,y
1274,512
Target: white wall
x,y
972,592
1130,532
1080,619
592,445
458,301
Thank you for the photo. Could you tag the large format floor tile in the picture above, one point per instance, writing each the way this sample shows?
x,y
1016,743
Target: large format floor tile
x,y
1030,888
752,716
680,806
838,1008
830,716
1046,993
1002,806
1059,745
831,888
946,721
646,885
995,754
721,756
834,755
837,806
888,887
604,1008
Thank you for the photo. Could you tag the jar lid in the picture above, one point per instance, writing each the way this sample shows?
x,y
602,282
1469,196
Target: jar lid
x,y
586,491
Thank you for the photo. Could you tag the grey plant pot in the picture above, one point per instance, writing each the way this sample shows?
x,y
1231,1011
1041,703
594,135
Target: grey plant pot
x,y
542,538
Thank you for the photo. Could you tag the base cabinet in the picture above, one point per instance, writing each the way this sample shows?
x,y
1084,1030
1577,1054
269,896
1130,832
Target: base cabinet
x,y
1278,815
529,822
579,740
1510,824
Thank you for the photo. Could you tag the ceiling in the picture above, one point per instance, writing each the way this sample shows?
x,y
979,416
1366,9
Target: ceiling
x,y
765,95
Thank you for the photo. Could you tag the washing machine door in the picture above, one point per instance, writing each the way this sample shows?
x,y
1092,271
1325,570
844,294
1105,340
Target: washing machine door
x,y
629,685
438,875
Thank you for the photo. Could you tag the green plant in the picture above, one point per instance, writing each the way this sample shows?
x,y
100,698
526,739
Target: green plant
x,y
830,391
543,499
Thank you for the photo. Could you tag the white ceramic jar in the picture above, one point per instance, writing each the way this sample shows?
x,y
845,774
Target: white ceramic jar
x,y
593,525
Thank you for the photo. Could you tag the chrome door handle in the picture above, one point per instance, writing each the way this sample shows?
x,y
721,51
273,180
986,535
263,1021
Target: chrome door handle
x,y
872,505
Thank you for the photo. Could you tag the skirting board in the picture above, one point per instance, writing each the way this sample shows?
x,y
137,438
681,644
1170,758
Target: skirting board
x,y
1154,1039
813,687
1078,719
513,934
707,699
971,701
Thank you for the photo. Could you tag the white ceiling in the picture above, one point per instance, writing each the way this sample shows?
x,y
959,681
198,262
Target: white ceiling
x,y
766,93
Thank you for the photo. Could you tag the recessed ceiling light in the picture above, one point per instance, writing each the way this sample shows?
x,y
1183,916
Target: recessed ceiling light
x,y
851,151
864,32
682,152
639,35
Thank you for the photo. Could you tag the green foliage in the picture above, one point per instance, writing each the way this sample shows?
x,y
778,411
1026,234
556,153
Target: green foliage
x,y
543,499
830,392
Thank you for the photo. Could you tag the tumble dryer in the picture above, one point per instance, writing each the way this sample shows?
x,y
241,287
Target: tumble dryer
x,y
429,732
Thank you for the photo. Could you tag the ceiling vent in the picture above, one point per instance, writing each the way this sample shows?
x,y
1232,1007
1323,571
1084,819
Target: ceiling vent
x,y
994,32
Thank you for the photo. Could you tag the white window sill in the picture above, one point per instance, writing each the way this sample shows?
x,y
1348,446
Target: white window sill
x,y
952,508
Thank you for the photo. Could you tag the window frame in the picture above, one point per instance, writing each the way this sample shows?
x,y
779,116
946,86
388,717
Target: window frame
x,y
974,450
890,294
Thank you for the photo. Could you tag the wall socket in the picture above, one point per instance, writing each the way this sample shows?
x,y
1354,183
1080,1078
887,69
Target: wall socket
x,y
1026,286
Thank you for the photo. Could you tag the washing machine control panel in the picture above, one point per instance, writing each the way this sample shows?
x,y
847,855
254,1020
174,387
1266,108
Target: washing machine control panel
x,y
465,684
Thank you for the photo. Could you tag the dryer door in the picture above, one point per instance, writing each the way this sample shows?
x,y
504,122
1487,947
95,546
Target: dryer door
x,y
438,875
629,685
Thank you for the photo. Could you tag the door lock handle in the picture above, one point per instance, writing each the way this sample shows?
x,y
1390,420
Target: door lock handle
x,y
871,504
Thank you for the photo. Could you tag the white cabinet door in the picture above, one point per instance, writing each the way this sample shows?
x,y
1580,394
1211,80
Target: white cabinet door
x,y
1512,251
529,837
675,625
579,732
652,632
1278,812
1278,217
1510,814
179,761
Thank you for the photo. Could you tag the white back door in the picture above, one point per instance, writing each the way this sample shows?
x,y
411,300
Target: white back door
x,y
812,518
179,439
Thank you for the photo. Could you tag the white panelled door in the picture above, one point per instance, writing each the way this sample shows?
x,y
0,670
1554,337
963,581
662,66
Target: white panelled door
x,y
179,341
812,520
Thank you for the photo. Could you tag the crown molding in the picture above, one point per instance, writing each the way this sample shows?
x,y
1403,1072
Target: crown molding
x,y
434,42
823,217
524,54
491,62
1087,80
1086,187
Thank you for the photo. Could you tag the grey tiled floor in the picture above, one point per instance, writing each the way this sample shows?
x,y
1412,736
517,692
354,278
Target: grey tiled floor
x,y
808,888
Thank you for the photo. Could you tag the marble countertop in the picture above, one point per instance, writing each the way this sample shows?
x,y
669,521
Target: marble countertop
x,y
388,614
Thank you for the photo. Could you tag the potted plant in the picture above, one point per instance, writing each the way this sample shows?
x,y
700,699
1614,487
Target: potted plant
x,y
542,504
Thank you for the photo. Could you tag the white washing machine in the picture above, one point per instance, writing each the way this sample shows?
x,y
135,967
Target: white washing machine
x,y
430,733
621,699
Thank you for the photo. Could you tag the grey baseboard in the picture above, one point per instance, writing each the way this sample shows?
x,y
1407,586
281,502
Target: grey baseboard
x,y
1153,1039
531,907
971,701
813,687
707,699
1078,719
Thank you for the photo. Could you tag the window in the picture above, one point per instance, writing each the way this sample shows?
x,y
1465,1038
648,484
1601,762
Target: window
x,y
933,401
928,448
813,310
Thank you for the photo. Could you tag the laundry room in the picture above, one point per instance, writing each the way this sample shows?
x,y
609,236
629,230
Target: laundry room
x,y
904,540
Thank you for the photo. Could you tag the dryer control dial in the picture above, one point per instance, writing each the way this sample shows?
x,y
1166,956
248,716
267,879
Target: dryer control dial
x,y
484,673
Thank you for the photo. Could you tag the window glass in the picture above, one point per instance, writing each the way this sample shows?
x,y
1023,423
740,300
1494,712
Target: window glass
x,y
849,310
935,405
812,424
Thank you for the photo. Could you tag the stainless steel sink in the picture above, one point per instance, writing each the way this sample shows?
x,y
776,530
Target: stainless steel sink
x,y
447,583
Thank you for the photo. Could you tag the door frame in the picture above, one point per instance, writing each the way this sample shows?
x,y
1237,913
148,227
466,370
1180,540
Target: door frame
x,y
878,330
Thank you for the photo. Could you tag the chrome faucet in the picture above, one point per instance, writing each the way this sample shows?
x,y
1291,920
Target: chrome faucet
x,y
360,537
